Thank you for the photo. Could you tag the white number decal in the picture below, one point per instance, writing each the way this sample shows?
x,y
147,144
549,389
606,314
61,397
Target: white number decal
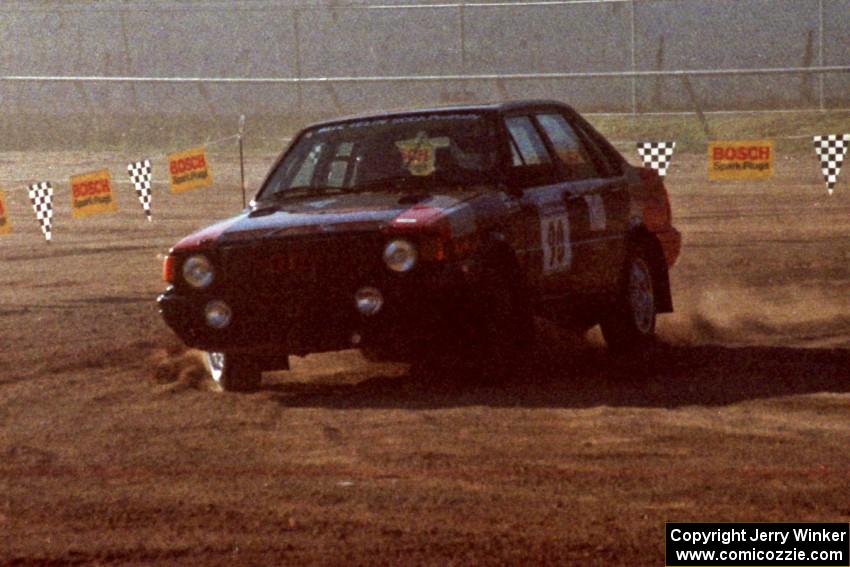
x,y
555,236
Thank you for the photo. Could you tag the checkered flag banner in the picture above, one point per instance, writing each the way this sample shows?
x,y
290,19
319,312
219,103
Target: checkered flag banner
x,y
831,151
140,175
656,155
41,196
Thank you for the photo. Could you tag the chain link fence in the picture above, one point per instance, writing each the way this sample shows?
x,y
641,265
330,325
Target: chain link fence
x,y
106,70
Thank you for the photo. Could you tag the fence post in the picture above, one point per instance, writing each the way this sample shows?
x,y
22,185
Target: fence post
x,y
462,11
820,54
128,62
807,91
242,156
697,105
299,100
658,94
634,66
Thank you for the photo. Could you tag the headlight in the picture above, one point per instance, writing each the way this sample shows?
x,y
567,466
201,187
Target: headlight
x,y
198,271
400,255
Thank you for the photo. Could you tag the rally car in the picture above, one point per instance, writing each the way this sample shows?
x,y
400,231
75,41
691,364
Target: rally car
x,y
419,233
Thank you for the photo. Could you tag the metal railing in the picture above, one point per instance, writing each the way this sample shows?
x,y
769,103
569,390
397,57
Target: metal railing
x,y
459,7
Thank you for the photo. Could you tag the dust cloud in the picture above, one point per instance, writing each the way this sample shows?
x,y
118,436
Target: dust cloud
x,y
177,367
734,314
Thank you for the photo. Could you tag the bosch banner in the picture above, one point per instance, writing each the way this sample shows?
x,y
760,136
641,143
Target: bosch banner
x,y
91,194
5,226
746,159
189,170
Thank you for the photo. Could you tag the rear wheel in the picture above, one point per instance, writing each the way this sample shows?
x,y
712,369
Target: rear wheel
x,y
233,372
630,327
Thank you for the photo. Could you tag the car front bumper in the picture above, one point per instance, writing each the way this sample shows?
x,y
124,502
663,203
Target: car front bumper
x,y
417,305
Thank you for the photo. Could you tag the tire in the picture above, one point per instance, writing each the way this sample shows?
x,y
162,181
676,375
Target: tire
x,y
503,326
233,372
630,327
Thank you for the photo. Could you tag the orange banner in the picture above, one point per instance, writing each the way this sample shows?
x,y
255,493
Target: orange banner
x,y
189,170
5,225
91,194
744,159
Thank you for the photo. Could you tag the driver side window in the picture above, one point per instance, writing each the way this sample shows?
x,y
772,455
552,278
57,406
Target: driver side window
x,y
304,175
326,164
338,169
531,164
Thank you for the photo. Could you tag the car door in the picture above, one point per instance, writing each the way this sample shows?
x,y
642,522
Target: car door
x,y
594,200
613,189
547,250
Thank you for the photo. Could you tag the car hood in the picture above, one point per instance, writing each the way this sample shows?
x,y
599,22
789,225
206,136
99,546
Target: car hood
x,y
329,214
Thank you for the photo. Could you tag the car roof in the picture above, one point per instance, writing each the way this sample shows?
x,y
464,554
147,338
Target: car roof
x,y
492,107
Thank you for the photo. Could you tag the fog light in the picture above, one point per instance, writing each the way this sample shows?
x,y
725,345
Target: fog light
x,y
218,314
368,300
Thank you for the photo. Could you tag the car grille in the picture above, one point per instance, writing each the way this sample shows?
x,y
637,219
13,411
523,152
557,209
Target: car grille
x,y
301,266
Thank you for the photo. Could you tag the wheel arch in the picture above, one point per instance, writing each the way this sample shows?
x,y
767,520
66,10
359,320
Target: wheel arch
x,y
497,252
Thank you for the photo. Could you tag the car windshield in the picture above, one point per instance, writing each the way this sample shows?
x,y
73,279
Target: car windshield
x,y
416,152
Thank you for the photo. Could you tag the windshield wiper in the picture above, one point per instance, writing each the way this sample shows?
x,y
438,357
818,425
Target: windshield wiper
x,y
305,191
397,182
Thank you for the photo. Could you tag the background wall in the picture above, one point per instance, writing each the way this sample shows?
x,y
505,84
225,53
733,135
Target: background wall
x,y
264,38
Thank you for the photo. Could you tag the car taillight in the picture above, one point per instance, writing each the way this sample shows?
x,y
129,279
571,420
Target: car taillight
x,y
169,269
659,195
648,176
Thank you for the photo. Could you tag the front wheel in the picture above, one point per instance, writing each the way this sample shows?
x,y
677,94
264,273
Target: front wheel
x,y
503,326
233,372
630,327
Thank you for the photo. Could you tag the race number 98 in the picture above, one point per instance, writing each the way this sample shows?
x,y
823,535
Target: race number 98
x,y
555,236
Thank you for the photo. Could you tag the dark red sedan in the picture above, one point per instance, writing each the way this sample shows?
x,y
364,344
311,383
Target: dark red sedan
x,y
416,234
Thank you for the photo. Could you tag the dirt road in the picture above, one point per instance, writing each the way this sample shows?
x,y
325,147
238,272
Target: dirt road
x,y
107,456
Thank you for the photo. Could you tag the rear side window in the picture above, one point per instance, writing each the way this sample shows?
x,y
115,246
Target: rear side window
x,y
527,148
609,160
568,147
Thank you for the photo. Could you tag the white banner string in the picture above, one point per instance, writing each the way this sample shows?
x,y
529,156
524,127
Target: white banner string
x,y
429,78
120,179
